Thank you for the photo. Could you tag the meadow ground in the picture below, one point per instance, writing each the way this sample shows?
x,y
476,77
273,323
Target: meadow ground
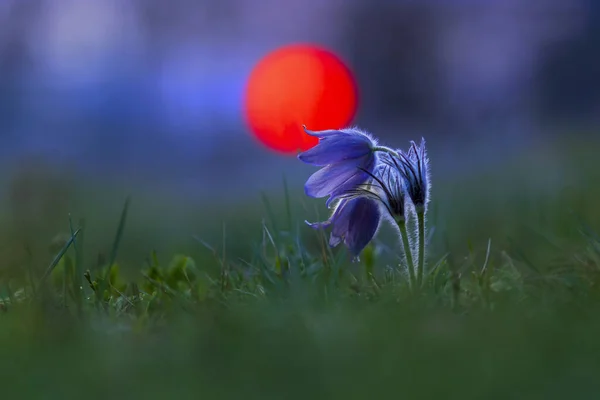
x,y
260,308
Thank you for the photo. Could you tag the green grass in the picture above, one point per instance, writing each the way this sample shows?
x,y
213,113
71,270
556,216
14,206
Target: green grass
x,y
259,307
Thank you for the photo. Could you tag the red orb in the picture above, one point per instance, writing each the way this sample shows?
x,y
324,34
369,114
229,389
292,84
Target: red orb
x,y
294,86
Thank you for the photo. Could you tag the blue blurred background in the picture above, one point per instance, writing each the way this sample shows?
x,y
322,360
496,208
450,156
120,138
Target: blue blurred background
x,y
144,97
102,99
149,92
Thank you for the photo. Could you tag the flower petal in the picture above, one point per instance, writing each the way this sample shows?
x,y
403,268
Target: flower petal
x,y
338,146
334,178
415,169
327,224
334,240
341,220
364,223
329,132
356,222
353,182
319,225
320,134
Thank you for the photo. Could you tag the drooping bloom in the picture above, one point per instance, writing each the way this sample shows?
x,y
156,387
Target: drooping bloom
x,y
354,221
347,156
414,167
358,213
367,182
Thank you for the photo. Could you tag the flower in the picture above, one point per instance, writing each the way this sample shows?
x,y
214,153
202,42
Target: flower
x,y
354,221
358,213
366,182
347,157
414,167
387,187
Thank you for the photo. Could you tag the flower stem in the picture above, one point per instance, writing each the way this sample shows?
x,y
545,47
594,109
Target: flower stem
x,y
386,150
407,253
421,266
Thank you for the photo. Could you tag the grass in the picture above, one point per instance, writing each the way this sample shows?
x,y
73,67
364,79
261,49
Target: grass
x,y
510,308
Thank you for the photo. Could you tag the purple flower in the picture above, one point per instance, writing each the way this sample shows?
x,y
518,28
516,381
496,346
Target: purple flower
x,y
366,182
353,221
414,167
347,157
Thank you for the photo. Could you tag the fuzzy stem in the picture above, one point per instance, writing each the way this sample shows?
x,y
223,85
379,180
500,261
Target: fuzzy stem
x,y
421,266
385,149
407,253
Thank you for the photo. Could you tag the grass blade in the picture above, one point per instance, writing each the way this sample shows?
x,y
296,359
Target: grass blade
x,y
58,257
288,203
270,214
118,237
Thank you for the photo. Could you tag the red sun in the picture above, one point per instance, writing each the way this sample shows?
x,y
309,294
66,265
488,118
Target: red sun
x,y
294,86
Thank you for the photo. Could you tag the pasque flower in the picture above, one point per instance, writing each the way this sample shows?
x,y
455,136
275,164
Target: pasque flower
x,y
414,167
368,182
359,210
347,157
354,221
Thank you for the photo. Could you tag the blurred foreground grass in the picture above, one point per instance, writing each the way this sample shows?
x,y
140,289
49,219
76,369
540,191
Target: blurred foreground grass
x,y
261,308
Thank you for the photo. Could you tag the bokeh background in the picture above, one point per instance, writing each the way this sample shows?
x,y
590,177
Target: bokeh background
x,y
104,99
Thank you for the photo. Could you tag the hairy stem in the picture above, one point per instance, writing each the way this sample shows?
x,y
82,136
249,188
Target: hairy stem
x,y
385,149
421,266
407,253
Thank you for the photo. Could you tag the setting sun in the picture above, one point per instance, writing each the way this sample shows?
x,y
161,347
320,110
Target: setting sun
x,y
296,85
